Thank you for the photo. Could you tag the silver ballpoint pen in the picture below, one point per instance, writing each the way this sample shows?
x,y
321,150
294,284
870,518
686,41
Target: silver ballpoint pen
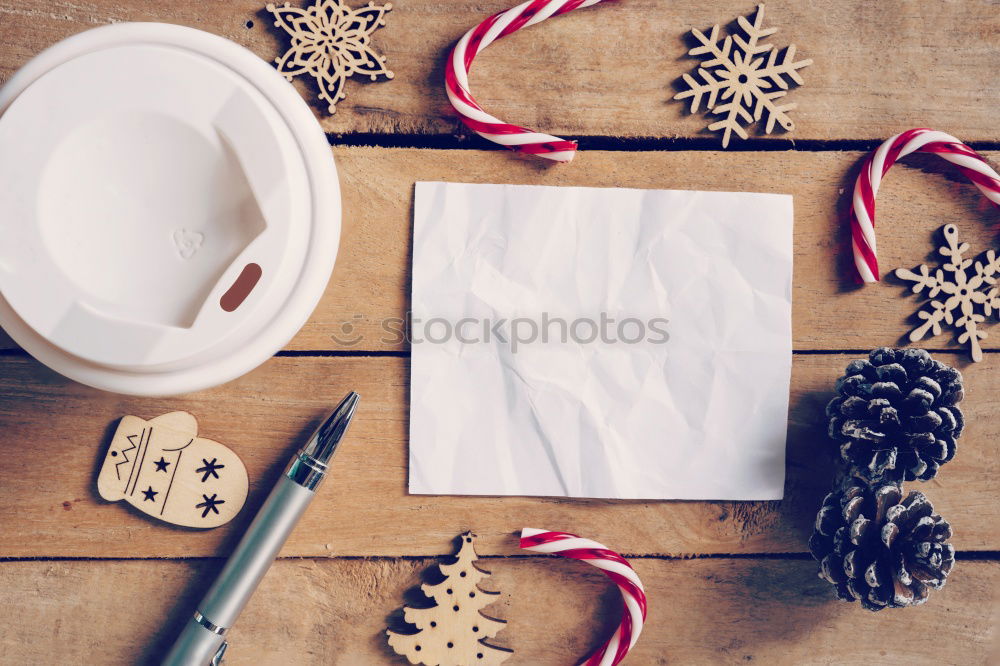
x,y
203,640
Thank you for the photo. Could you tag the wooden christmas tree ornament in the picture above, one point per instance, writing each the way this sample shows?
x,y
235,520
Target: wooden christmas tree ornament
x,y
454,631
331,42
163,468
968,297
743,78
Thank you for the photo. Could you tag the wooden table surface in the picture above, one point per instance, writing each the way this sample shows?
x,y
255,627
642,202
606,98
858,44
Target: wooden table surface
x,y
85,582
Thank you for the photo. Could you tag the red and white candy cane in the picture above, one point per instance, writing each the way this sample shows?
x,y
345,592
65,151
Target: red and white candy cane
x,y
921,140
457,79
617,569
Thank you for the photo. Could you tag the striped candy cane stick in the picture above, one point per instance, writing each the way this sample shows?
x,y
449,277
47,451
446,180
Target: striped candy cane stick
x,y
922,140
457,79
617,569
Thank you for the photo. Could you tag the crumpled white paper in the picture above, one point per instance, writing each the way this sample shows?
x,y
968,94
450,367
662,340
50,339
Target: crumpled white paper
x,y
702,415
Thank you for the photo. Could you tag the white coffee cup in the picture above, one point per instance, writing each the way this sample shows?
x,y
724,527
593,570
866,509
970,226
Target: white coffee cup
x,y
169,209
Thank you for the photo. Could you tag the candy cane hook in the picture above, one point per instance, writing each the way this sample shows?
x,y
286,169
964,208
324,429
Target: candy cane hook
x,y
921,140
457,79
614,567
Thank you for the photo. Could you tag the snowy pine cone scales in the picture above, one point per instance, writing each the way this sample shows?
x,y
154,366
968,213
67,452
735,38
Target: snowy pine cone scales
x,y
880,549
896,415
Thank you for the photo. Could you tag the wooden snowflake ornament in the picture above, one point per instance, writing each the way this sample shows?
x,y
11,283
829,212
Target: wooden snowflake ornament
x,y
743,78
331,42
453,632
971,298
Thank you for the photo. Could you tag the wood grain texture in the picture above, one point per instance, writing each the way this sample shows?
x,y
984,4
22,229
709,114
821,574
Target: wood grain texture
x,y
368,294
55,432
371,282
879,67
709,611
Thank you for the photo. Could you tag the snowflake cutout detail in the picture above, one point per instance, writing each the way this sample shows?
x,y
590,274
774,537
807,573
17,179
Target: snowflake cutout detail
x,y
210,504
331,42
210,469
971,299
741,83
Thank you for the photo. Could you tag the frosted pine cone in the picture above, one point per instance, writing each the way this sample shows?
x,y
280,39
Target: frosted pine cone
x,y
896,415
877,549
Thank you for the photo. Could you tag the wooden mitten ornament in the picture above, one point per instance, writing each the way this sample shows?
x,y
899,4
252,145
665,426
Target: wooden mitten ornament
x,y
163,468
454,631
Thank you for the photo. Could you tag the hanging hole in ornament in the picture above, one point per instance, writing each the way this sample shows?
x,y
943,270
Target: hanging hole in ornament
x,y
448,590
472,595
417,648
433,624
475,629
462,574
455,608
248,25
742,78
468,539
451,645
479,655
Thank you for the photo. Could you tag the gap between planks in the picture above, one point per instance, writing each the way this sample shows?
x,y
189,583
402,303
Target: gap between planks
x,y
382,353
307,353
611,143
961,555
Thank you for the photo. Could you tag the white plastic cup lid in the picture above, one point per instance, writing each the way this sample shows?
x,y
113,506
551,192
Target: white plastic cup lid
x,y
169,209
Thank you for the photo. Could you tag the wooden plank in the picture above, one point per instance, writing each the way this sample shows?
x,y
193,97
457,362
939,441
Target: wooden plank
x,y
371,284
552,78
369,291
333,611
55,433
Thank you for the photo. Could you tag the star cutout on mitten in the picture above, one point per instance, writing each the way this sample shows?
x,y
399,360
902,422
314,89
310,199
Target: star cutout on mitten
x,y
209,470
209,504
150,494
161,464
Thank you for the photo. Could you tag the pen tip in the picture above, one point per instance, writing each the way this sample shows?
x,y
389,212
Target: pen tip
x,y
347,405
330,433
